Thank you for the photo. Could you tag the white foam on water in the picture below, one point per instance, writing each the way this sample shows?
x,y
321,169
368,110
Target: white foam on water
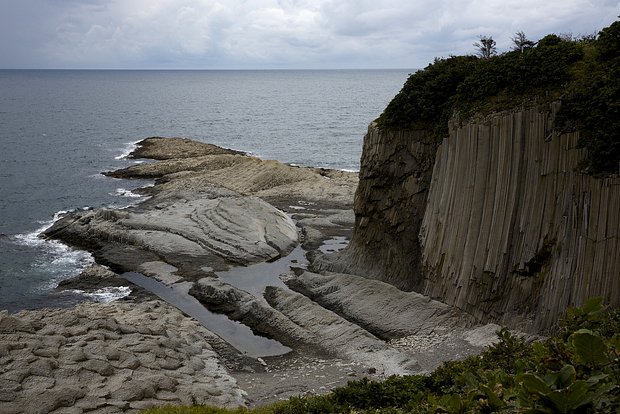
x,y
106,294
123,192
128,194
56,258
32,239
129,147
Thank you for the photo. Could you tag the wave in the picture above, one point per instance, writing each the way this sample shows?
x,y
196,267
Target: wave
x,y
106,294
129,194
128,149
57,259
123,192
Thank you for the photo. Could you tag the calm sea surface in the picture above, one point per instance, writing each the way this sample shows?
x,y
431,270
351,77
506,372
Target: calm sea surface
x,y
60,129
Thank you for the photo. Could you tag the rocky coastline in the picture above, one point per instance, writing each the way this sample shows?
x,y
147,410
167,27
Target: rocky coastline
x,y
213,212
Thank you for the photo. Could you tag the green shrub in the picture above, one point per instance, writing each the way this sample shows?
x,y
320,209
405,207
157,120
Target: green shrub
x,y
423,102
393,392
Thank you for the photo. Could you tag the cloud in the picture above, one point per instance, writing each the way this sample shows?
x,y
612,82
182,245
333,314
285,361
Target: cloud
x,y
274,33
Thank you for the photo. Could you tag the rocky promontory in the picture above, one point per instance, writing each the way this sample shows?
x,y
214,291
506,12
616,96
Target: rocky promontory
x,y
220,232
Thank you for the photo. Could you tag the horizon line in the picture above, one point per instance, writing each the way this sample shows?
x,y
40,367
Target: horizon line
x,y
203,69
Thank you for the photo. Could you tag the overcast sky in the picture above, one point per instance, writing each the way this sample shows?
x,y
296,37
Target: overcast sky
x,y
264,34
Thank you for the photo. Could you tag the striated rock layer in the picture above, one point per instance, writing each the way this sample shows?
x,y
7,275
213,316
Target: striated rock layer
x,y
509,230
207,208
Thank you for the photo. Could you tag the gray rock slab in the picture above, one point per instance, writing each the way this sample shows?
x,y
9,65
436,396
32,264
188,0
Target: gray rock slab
x,y
378,307
161,271
302,324
345,339
239,229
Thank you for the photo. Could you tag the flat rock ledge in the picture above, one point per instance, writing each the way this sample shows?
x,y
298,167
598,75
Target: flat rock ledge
x,y
238,229
368,323
108,358
210,207
378,307
164,148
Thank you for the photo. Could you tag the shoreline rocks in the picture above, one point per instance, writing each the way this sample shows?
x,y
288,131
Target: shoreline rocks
x,y
212,209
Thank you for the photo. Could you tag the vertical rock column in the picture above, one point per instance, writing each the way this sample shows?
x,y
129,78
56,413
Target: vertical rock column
x,y
512,231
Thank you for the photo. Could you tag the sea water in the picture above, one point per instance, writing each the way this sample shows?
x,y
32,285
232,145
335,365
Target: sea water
x,y
60,129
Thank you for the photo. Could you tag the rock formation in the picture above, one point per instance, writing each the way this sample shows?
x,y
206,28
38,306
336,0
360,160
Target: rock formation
x,y
210,212
206,210
507,228
196,226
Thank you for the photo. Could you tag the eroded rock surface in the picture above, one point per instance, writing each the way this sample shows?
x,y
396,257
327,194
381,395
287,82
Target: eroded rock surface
x,y
226,225
301,323
208,208
119,357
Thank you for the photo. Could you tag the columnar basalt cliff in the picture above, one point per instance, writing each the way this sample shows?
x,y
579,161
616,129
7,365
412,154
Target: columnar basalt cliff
x,y
507,229
512,230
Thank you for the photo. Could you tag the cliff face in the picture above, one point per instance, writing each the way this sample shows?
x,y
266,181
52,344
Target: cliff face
x,y
507,231
390,201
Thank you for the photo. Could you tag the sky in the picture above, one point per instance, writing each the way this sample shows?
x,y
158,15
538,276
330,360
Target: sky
x,y
275,34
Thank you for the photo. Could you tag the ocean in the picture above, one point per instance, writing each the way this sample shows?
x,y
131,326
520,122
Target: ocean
x,y
59,129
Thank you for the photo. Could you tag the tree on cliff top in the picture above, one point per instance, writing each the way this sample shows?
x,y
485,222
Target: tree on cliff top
x,y
521,42
485,47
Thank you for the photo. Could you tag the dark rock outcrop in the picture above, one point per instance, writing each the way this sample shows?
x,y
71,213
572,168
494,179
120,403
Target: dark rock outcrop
x,y
160,148
395,176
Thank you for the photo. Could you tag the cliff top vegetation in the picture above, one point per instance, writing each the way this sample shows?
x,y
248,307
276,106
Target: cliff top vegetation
x,y
583,73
